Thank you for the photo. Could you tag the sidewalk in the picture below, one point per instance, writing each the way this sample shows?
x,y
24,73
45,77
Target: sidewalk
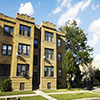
x,y
45,95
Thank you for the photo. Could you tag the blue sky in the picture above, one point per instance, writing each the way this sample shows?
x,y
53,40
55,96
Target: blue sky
x,y
85,12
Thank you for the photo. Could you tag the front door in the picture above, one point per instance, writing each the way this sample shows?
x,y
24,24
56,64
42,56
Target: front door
x,y
35,81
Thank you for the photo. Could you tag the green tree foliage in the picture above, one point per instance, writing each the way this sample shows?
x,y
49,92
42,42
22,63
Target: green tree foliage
x,y
5,85
76,41
69,67
97,77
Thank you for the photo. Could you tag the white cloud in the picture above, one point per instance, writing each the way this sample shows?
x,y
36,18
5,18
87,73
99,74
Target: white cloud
x,y
95,29
94,7
26,8
64,3
97,57
59,1
57,10
73,12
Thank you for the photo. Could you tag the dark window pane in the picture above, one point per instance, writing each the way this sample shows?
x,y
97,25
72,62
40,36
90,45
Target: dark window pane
x,y
35,43
25,30
4,50
49,36
28,50
23,70
9,50
49,85
29,31
21,30
48,71
11,31
49,53
18,70
8,31
59,57
59,42
22,86
19,49
4,70
24,49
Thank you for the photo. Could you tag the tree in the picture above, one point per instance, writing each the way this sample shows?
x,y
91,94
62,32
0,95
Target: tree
x,y
68,65
76,41
97,77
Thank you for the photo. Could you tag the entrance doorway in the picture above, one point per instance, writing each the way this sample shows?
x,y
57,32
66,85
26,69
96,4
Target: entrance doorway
x,y
35,81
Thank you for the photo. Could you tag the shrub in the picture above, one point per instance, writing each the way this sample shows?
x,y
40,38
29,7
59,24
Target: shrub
x,y
68,85
5,85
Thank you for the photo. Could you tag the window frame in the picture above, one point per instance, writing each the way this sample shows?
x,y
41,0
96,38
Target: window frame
x,y
35,45
49,53
49,36
22,73
6,54
60,57
21,49
48,71
59,43
9,33
24,30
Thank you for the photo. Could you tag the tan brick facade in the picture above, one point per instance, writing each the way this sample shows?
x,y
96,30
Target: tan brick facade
x,y
36,69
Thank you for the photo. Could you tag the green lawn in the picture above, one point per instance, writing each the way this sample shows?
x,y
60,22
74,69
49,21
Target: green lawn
x,y
15,93
62,90
2,99
74,96
33,98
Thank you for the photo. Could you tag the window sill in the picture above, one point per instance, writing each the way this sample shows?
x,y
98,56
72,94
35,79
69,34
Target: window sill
x,y
25,36
27,77
6,55
24,55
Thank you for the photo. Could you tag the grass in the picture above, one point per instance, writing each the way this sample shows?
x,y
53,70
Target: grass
x,y
61,90
15,93
33,98
2,99
74,96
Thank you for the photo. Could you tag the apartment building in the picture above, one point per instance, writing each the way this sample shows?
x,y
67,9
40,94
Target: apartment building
x,y
31,55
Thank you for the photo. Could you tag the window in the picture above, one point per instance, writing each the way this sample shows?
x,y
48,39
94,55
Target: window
x,y
49,53
48,85
59,72
35,43
24,49
59,57
48,71
5,69
49,36
35,59
8,31
22,86
23,70
6,49
59,42
25,30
